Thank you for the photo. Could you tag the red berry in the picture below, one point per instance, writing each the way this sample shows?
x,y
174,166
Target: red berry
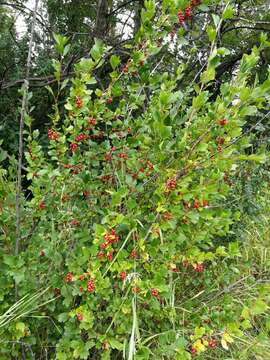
x,y
171,184
78,102
90,286
193,350
220,140
92,121
82,277
52,135
133,254
73,147
80,317
74,222
196,204
154,292
205,203
123,275
188,13
123,155
109,100
109,256
57,291
223,122
100,255
167,216
69,278
125,68
212,343
104,245
81,289
42,253
180,17
42,205
199,268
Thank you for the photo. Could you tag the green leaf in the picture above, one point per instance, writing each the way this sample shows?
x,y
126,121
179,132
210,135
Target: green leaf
x,y
208,75
97,50
259,307
114,61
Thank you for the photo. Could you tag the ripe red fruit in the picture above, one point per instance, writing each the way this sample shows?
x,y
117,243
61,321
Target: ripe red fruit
x,y
78,102
212,343
188,13
109,256
100,255
167,216
133,254
73,147
123,275
92,121
81,289
125,68
79,317
223,122
180,17
205,203
57,291
154,292
220,140
90,286
74,222
193,350
52,135
171,184
82,277
219,148
196,204
42,205
109,100
69,277
42,253
199,268
81,137
123,155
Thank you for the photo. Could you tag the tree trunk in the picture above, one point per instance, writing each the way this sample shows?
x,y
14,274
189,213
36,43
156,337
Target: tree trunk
x,y
101,26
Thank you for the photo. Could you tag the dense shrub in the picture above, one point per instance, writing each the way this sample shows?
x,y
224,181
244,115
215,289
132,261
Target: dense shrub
x,y
122,252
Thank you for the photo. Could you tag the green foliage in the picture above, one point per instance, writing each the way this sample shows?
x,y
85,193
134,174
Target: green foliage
x,y
129,241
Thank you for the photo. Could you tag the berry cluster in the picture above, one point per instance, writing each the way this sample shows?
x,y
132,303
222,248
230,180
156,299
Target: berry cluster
x,y
90,286
223,122
52,135
81,137
69,277
73,147
171,184
110,237
79,102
